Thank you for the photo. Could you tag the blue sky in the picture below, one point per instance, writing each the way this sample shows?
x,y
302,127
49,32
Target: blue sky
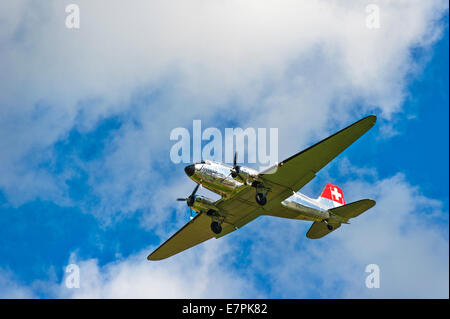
x,y
87,178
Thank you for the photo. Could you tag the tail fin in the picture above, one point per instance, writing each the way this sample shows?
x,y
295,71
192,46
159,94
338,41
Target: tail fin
x,y
331,196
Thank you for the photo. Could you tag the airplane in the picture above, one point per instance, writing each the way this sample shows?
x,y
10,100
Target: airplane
x,y
247,194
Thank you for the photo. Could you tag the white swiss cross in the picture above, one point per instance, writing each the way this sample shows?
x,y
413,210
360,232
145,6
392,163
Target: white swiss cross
x,y
336,194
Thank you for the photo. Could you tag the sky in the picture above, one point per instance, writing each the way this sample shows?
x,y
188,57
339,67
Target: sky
x,y
85,121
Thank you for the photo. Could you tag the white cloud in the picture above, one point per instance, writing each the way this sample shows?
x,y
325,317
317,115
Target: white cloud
x,y
305,67
406,234
280,64
135,277
12,289
400,234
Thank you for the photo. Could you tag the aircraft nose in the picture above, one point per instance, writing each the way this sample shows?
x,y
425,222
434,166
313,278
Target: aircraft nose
x,y
190,170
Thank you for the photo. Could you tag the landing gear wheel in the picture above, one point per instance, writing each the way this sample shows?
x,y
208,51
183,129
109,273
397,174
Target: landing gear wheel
x,y
261,199
216,227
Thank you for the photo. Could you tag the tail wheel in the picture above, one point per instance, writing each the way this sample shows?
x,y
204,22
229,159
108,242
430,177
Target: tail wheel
x,y
216,227
330,228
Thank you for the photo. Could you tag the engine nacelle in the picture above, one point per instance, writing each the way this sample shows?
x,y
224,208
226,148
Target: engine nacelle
x,y
246,175
203,203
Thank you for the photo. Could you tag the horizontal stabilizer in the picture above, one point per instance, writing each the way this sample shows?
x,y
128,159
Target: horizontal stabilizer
x,y
320,229
353,209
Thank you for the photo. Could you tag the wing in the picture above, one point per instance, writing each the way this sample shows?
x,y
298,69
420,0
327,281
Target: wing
x,y
193,233
291,175
296,171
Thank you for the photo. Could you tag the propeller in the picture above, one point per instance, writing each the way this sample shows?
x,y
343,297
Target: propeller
x,y
236,168
190,200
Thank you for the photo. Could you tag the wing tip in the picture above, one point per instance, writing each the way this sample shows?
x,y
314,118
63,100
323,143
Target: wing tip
x,y
311,237
371,202
371,119
153,258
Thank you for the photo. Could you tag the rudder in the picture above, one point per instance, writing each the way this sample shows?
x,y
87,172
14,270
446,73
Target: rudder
x,y
331,196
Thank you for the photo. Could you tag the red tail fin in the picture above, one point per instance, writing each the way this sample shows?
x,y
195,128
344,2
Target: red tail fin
x,y
333,195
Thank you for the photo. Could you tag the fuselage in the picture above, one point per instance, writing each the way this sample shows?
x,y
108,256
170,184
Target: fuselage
x,y
217,177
